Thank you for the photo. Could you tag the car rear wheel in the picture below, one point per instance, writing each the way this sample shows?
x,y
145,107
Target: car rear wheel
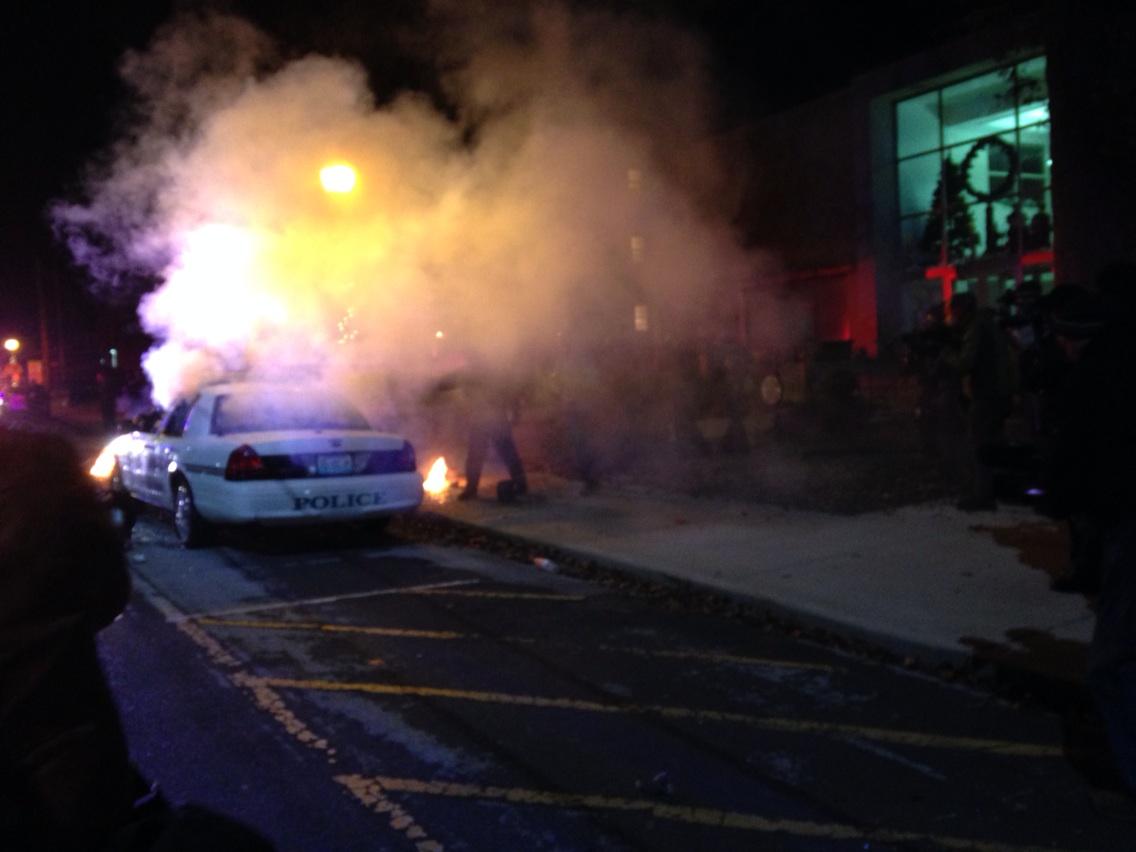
x,y
192,529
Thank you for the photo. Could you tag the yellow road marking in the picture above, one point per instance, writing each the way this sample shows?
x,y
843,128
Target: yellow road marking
x,y
448,634
365,786
911,738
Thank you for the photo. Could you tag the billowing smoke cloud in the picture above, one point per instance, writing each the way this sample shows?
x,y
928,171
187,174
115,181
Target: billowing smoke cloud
x,y
572,182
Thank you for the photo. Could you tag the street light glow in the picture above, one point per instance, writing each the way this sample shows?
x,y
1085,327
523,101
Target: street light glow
x,y
337,177
12,344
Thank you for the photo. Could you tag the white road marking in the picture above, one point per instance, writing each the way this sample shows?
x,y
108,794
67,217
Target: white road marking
x,y
888,754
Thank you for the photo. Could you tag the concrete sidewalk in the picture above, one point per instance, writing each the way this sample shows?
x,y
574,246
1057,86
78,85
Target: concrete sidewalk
x,y
927,581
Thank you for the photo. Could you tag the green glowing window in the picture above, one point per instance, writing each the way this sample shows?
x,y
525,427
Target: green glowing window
x,y
973,168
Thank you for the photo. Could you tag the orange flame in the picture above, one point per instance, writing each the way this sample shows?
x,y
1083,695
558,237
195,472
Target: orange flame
x,y
436,481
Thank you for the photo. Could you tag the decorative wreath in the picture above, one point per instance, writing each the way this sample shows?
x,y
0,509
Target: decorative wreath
x,y
1003,187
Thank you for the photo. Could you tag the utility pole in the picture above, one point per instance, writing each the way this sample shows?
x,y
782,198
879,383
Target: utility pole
x,y
44,347
60,331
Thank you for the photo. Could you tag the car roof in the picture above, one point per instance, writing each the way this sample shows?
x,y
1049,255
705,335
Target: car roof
x,y
246,387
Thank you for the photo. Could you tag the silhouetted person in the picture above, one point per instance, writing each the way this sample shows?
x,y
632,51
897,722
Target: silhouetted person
x,y
928,356
109,381
1093,468
491,408
1015,229
1025,324
986,369
1038,233
739,387
1073,317
686,395
66,780
580,408
65,776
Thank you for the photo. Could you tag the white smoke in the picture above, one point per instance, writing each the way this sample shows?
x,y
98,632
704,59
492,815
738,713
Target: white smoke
x,y
574,180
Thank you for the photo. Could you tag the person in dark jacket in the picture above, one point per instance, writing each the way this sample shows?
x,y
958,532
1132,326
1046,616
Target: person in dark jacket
x,y
986,369
66,781
489,404
929,358
1074,317
491,408
1092,471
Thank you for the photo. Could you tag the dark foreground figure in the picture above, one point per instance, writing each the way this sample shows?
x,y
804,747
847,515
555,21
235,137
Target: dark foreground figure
x,y
66,781
1092,471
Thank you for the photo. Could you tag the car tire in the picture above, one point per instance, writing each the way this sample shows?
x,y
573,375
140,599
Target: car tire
x,y
192,530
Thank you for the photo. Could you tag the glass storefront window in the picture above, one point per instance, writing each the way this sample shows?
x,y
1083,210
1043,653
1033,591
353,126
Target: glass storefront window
x,y
913,230
978,107
918,178
998,227
974,166
988,167
1035,163
917,124
1033,92
963,229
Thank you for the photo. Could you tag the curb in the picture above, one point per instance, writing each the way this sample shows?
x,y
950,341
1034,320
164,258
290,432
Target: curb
x,y
983,670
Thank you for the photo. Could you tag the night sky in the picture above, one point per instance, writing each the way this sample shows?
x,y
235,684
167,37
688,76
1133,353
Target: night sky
x,y
65,103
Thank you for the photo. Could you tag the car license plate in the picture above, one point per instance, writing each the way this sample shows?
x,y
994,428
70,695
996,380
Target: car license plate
x,y
334,464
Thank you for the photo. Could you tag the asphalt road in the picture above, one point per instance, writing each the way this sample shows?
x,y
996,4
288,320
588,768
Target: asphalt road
x,y
353,692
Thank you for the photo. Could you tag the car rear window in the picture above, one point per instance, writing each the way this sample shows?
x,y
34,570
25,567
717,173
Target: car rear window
x,y
272,412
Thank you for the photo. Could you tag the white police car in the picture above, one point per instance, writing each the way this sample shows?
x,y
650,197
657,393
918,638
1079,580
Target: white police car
x,y
263,453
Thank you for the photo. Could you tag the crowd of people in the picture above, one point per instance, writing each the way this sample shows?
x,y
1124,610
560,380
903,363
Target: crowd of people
x,y
1091,466
1068,360
979,367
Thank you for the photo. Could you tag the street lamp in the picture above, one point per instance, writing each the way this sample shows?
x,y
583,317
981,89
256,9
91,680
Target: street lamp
x,y
338,178
11,375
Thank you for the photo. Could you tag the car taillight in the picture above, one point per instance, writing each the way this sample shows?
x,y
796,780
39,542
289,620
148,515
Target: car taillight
x,y
244,463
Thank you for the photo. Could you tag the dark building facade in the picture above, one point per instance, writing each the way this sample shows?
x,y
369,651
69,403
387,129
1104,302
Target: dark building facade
x,y
986,162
